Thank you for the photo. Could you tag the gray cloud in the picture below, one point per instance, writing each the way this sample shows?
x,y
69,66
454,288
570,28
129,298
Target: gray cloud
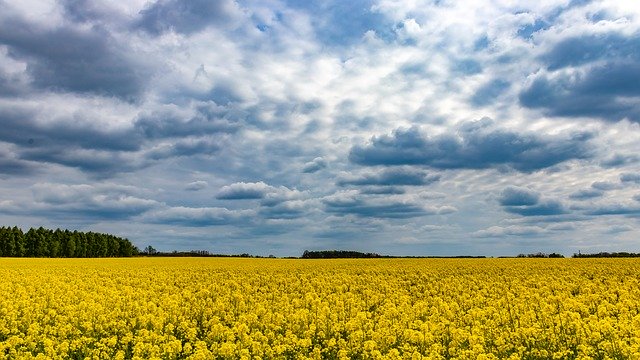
x,y
196,185
350,203
618,160
196,217
605,185
516,196
315,165
527,31
186,17
526,202
394,210
630,178
244,191
616,229
608,92
94,162
291,209
592,75
208,118
340,23
87,10
184,147
562,218
489,92
33,129
512,230
276,196
615,209
381,190
472,148
104,201
16,167
543,208
586,194
392,177
97,13
467,67
587,48
12,84
76,60
77,141
101,163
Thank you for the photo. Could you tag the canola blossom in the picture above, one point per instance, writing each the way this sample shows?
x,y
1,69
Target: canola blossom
x,y
214,308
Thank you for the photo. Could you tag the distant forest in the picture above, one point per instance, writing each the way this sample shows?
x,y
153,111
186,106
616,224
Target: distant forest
x,y
338,254
622,254
348,254
58,243
47,243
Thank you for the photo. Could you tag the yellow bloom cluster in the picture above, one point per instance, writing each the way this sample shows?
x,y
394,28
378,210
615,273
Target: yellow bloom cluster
x,y
212,308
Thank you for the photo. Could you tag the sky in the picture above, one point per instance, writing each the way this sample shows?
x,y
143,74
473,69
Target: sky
x,y
272,127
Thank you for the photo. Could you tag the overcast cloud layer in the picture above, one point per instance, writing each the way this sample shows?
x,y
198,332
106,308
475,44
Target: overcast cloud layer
x,y
271,127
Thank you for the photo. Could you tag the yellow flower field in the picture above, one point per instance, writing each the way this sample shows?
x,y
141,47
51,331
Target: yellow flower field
x,y
212,308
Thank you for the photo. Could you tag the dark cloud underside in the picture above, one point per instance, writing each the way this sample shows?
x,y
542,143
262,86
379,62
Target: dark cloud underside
x,y
185,17
472,149
513,196
361,208
76,60
392,177
591,75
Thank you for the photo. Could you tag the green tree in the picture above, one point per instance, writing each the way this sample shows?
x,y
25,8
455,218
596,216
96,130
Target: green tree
x,y
43,242
150,250
70,248
4,241
20,246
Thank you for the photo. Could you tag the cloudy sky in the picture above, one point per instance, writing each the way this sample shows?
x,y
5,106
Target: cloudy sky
x,y
270,127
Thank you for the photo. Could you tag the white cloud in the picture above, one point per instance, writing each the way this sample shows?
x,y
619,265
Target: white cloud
x,y
266,108
512,230
196,185
196,217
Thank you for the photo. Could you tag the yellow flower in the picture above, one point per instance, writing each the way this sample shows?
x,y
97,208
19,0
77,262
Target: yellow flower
x,y
180,308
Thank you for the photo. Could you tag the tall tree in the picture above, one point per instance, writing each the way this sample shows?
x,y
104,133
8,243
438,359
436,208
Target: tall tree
x,y
43,242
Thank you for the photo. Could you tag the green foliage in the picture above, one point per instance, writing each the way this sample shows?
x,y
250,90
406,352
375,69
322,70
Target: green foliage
x,y
43,242
150,250
622,254
337,254
541,255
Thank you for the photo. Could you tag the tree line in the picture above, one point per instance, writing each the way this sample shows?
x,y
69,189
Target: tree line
x,y
622,254
349,254
43,242
151,251
540,255
338,254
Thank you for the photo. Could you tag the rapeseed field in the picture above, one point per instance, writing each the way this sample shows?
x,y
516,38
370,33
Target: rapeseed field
x,y
214,308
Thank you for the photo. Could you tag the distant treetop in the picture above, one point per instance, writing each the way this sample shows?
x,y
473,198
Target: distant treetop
x,y
337,254
607,255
